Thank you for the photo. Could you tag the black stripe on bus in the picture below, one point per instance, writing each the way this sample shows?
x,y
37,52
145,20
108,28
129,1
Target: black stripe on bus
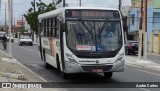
x,y
62,46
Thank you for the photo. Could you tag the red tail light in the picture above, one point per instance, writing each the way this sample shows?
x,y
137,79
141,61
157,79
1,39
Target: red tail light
x,y
129,46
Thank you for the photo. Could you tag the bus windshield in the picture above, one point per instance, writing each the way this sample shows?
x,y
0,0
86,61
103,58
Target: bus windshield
x,y
94,36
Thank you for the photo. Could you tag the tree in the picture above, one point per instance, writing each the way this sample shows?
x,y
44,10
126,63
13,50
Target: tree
x,y
32,16
1,28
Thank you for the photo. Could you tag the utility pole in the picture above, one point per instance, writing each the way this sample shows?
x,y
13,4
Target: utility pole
x,y
14,25
34,12
64,3
34,5
22,23
9,17
0,5
120,4
80,4
140,31
145,31
5,19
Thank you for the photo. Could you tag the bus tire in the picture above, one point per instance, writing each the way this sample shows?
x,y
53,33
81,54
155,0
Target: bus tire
x,y
58,63
108,75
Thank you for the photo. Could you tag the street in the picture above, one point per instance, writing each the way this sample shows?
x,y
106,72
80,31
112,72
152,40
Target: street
x,y
29,56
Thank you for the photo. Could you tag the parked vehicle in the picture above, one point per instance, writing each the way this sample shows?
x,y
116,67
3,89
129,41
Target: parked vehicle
x,y
25,40
12,39
131,47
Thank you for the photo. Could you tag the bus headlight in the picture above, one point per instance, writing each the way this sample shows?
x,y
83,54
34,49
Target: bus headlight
x,y
120,58
70,58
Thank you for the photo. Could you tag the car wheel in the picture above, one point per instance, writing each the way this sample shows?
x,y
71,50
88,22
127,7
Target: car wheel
x,y
108,75
134,53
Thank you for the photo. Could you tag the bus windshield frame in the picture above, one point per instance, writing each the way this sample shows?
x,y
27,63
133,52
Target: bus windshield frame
x,y
95,36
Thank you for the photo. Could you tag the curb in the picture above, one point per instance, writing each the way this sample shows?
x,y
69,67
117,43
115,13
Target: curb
x,y
23,66
5,53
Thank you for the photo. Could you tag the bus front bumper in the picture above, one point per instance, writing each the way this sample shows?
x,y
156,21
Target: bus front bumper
x,y
90,68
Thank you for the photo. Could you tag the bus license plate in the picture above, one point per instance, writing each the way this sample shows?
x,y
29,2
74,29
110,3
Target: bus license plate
x,y
97,70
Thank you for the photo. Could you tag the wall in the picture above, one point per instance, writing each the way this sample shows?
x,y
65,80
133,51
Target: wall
x,y
151,23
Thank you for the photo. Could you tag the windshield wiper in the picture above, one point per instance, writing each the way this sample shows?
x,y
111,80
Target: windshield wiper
x,y
85,26
103,26
88,29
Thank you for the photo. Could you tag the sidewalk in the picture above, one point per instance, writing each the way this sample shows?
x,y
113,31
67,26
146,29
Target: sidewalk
x,y
130,60
13,71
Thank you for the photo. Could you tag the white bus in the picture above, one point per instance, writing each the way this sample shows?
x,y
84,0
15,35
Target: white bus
x,y
82,40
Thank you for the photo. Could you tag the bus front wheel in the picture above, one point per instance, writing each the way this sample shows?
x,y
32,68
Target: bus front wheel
x,y
108,74
64,75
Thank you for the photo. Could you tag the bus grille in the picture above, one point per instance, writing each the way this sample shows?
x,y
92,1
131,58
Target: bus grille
x,y
104,68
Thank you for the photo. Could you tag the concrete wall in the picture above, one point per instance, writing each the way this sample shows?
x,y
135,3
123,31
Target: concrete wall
x,y
154,43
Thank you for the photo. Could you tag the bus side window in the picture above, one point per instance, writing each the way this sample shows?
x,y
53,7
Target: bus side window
x,y
51,27
41,28
58,28
56,33
45,28
48,20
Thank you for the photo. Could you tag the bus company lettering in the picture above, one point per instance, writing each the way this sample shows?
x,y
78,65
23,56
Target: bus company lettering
x,y
93,13
88,13
83,47
74,13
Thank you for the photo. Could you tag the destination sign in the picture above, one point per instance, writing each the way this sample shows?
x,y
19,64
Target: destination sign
x,y
100,14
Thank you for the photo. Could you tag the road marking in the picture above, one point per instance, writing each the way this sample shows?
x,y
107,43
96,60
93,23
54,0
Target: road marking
x,y
144,89
36,66
149,72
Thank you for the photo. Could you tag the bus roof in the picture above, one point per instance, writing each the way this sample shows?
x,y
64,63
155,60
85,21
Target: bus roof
x,y
61,10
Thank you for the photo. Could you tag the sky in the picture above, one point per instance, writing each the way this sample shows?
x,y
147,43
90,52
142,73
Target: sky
x,y
21,6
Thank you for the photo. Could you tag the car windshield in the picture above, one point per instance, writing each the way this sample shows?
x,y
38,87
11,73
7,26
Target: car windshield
x,y
94,36
25,37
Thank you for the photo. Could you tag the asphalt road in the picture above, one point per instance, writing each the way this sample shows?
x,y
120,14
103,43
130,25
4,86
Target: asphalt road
x,y
29,56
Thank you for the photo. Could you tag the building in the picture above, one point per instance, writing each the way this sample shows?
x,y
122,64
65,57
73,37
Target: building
x,y
153,23
27,27
19,25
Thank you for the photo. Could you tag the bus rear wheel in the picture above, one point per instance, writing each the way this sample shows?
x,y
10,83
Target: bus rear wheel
x,y
108,74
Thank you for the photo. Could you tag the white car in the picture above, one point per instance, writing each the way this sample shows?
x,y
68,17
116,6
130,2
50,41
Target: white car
x,y
25,40
12,39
